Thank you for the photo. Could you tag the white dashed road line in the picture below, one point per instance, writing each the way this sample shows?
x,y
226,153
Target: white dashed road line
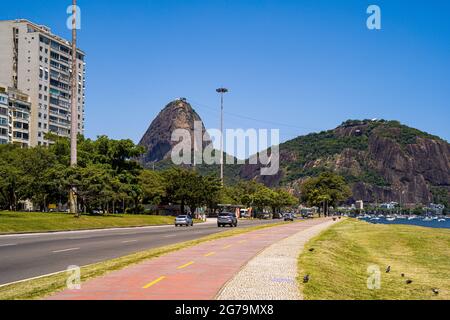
x,y
65,250
129,241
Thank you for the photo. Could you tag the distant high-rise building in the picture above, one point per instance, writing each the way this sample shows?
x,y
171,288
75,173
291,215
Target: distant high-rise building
x,y
15,110
38,63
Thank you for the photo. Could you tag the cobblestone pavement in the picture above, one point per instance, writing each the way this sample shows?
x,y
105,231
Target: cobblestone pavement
x,y
271,275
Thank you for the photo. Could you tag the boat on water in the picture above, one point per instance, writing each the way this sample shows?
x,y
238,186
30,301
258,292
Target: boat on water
x,y
442,220
412,217
391,219
427,219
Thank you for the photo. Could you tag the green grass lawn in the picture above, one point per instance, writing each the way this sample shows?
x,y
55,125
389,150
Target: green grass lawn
x,y
338,265
13,222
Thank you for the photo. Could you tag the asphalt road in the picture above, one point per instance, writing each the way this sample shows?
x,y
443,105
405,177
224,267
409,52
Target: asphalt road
x,y
32,255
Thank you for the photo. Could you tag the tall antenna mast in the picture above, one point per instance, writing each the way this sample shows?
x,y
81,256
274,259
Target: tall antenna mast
x,y
222,91
74,111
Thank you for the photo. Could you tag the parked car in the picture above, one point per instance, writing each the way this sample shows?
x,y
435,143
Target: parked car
x,y
278,215
184,220
227,218
264,216
288,217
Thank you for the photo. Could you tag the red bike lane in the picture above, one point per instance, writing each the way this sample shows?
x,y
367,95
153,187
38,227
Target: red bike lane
x,y
194,273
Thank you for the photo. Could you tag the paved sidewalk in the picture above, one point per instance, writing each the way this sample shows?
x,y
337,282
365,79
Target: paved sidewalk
x,y
272,274
195,273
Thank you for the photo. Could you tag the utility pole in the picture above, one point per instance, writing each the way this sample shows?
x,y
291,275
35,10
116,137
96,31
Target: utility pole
x,y
74,111
221,91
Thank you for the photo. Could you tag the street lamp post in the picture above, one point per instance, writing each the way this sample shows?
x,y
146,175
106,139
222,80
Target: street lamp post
x,y
74,111
221,91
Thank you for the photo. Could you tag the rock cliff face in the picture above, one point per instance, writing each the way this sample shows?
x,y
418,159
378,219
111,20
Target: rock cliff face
x,y
157,140
383,160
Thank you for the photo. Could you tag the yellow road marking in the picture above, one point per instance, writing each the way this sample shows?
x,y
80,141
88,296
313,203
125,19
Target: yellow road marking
x,y
209,254
228,246
186,265
154,282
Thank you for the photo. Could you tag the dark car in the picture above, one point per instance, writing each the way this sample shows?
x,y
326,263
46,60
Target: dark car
x,y
227,218
278,215
288,217
263,215
184,220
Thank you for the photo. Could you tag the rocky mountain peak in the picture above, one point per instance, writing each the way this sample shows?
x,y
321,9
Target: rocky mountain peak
x,y
157,141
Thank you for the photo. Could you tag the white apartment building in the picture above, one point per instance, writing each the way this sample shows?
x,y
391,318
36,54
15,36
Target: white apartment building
x,y
15,108
38,63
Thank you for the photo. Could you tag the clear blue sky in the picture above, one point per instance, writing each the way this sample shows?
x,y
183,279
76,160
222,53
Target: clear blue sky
x,y
308,65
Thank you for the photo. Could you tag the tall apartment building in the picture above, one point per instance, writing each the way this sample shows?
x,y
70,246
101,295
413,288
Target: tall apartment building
x,y
15,108
38,63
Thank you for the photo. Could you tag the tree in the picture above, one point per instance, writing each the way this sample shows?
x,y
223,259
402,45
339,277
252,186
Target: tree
x,y
11,176
93,184
246,191
263,197
212,190
178,183
153,186
325,190
38,182
282,198
188,188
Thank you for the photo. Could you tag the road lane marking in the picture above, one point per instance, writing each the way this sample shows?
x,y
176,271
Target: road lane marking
x,y
65,250
209,254
8,245
186,265
228,246
242,241
170,236
129,241
154,282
